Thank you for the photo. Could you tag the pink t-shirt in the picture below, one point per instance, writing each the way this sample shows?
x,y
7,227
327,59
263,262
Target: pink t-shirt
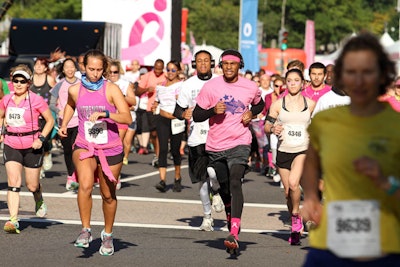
x,y
315,94
22,118
61,93
227,130
393,102
151,80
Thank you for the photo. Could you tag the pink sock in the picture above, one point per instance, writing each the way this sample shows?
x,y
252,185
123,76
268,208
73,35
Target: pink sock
x,y
235,225
270,159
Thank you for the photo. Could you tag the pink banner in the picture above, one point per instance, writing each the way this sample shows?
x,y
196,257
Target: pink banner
x,y
309,45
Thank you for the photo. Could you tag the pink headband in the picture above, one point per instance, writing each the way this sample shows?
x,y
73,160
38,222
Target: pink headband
x,y
231,57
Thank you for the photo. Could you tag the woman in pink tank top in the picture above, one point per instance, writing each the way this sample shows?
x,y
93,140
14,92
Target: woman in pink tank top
x,y
98,149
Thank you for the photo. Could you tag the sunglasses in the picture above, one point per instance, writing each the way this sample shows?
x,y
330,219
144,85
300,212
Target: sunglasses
x,y
171,70
20,81
114,72
277,85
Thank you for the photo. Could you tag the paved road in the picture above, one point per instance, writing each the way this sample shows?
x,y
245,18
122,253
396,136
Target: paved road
x,y
151,228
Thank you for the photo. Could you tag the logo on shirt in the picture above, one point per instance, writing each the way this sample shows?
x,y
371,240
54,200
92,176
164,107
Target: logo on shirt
x,y
232,105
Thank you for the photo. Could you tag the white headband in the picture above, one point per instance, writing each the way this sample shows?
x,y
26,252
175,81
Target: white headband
x,y
23,73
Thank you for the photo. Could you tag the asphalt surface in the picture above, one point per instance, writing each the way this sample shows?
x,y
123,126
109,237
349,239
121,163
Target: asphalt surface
x,y
151,228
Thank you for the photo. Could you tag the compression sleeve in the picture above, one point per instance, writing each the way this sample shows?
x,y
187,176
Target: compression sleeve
x,y
255,109
200,114
178,112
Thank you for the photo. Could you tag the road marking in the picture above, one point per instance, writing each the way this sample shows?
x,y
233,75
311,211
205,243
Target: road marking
x,y
143,225
146,199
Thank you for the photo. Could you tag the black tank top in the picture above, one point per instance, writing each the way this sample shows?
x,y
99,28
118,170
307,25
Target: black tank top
x,y
43,90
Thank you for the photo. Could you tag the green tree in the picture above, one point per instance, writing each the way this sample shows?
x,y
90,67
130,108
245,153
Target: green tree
x,y
46,9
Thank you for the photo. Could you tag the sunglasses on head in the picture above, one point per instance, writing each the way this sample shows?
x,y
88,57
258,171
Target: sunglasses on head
x,y
114,72
171,70
23,81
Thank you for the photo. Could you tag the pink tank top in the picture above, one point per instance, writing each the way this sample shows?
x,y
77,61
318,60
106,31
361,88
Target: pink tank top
x,y
102,132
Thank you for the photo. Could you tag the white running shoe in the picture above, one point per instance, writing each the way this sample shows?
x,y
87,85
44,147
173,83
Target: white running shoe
x,y
47,162
276,178
207,224
217,203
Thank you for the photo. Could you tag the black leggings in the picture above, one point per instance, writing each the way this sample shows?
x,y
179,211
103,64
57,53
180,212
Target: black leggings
x,y
67,143
235,184
164,134
231,187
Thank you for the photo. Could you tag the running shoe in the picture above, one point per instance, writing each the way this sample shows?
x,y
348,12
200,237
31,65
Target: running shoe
x,y
42,174
41,209
125,161
119,185
177,185
297,224
207,224
84,238
217,203
154,162
276,178
71,184
231,245
161,186
107,245
47,162
12,226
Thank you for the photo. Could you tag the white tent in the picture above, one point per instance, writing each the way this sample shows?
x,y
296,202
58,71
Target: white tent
x,y
386,40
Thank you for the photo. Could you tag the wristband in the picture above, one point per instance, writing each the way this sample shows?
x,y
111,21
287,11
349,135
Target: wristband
x,y
42,138
107,114
394,185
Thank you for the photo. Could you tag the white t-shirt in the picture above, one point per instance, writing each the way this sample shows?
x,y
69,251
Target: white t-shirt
x,y
330,100
166,96
187,99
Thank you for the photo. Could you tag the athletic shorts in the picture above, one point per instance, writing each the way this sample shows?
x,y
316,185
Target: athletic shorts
x,y
198,162
284,160
111,160
29,157
133,126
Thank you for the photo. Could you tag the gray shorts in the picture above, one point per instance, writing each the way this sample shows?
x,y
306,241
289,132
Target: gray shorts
x,y
236,155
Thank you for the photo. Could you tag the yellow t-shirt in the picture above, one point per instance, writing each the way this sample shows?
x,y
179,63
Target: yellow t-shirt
x,y
340,138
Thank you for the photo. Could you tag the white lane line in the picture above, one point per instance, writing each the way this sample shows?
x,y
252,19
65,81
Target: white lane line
x,y
142,225
147,199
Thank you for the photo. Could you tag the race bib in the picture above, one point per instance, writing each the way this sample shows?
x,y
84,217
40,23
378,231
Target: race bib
x,y
354,228
199,131
295,134
177,126
96,132
15,117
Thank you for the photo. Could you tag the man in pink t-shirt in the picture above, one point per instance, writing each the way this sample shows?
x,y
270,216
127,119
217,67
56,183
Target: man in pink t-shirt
x,y
317,88
225,101
145,117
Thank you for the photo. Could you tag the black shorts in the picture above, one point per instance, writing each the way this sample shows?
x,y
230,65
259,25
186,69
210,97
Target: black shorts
x,y
29,157
152,119
284,160
111,160
198,162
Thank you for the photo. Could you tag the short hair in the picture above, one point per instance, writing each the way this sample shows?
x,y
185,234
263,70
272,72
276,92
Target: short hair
x,y
367,41
316,65
295,64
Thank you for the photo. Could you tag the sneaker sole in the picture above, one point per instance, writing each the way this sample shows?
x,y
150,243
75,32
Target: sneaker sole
x,y
42,212
231,247
103,253
161,189
11,229
294,239
218,206
83,245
